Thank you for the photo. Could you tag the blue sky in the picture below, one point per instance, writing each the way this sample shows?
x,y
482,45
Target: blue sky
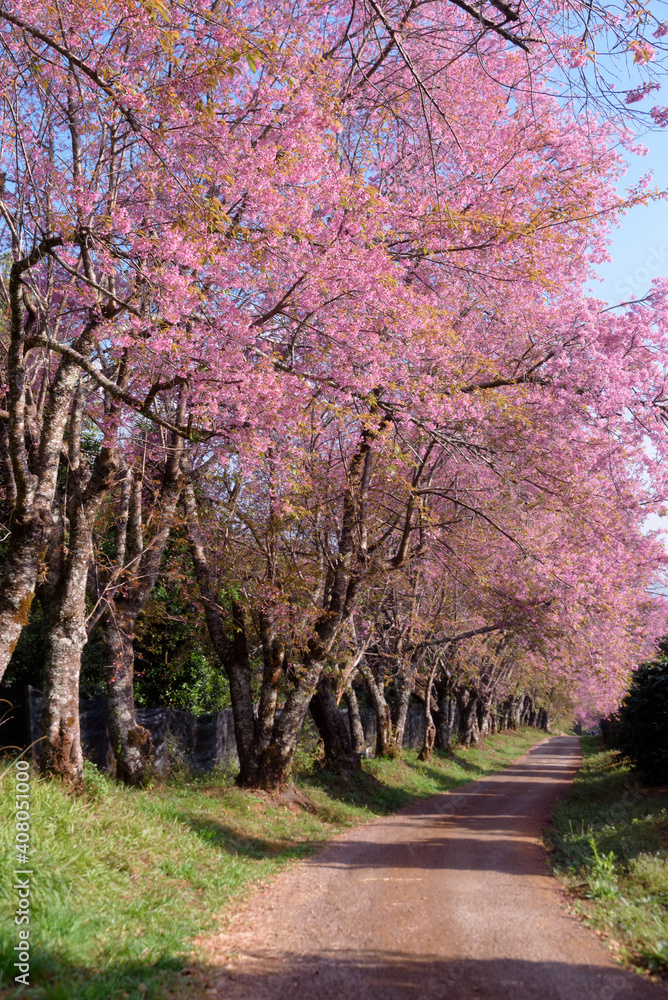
x,y
639,249
640,246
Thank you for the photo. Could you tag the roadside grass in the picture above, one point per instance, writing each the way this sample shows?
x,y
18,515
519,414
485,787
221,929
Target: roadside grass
x,y
609,842
124,880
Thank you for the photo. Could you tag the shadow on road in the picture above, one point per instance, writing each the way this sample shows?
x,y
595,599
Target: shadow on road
x,y
488,825
397,976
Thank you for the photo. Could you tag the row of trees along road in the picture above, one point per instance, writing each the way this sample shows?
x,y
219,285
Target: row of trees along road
x,y
303,284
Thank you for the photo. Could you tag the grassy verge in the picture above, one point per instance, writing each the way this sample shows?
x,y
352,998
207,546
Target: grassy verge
x,y
609,841
124,879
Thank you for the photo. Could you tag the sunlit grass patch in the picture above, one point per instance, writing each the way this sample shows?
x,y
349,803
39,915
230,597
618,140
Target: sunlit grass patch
x,y
609,840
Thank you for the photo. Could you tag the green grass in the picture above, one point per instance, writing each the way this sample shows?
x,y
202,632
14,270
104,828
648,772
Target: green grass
x,y
609,842
125,879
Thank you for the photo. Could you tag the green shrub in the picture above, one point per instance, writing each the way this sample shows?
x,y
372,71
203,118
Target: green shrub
x,y
641,729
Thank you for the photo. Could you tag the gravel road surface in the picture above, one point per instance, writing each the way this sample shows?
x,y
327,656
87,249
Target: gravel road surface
x,y
450,899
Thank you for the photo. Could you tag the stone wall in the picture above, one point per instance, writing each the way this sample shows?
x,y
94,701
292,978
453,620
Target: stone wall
x,y
199,741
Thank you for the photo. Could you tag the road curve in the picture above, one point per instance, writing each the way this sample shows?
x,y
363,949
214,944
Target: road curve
x,y
450,899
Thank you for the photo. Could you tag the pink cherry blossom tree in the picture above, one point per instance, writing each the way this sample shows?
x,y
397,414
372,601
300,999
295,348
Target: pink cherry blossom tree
x,y
372,221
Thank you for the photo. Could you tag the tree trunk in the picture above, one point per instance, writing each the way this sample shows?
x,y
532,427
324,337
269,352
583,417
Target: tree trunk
x,y
447,720
66,630
607,729
238,670
273,655
269,766
341,589
430,727
275,761
483,715
447,716
34,477
385,743
355,720
429,740
130,742
24,558
528,711
233,657
405,685
468,719
504,719
332,726
60,750
266,762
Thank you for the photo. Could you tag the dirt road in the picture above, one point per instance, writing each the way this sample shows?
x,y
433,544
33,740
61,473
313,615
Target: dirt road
x,y
448,900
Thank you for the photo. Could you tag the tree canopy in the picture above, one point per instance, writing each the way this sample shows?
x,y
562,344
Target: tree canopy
x,y
307,282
